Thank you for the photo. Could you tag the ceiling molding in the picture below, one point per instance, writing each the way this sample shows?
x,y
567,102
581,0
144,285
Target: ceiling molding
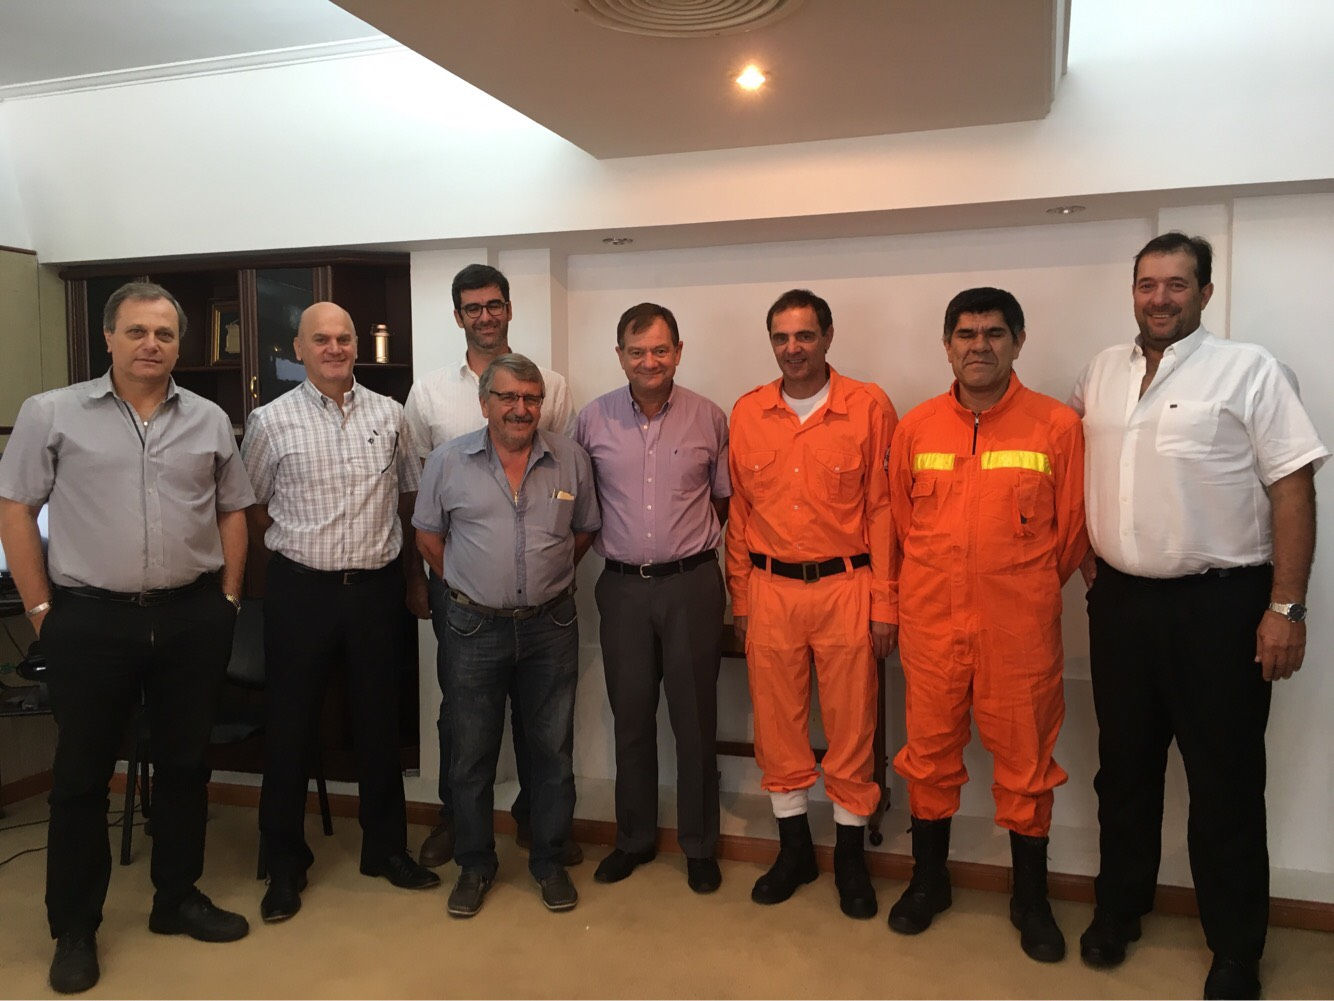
x,y
317,52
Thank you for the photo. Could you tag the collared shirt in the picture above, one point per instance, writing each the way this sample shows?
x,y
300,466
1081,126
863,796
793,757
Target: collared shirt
x,y
133,505
443,405
808,492
1176,480
988,507
656,476
331,478
508,551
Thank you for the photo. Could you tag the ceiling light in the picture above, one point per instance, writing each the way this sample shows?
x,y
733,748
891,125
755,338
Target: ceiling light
x,y
751,78
618,241
1065,209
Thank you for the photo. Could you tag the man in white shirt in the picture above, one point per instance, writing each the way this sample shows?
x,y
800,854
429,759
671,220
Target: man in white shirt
x,y
1201,512
441,406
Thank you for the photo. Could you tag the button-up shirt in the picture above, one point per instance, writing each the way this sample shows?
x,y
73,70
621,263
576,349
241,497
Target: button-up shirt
x,y
331,478
1176,479
656,475
804,492
444,404
133,504
508,550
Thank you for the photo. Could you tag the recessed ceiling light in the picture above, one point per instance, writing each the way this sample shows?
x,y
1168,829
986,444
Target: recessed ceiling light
x,y
751,78
618,241
1065,209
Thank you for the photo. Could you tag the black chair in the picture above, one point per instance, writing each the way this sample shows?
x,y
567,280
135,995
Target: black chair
x,y
238,719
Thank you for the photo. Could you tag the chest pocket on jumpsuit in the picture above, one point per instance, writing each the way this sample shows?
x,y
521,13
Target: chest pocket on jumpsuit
x,y
759,470
840,474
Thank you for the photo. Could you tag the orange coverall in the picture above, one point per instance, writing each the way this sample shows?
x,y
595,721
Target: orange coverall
x,y
989,519
805,493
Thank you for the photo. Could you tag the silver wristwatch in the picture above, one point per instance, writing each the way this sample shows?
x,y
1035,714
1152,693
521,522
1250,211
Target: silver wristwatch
x,y
1293,611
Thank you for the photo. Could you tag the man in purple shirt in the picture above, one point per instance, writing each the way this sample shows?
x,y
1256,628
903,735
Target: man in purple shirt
x,y
660,463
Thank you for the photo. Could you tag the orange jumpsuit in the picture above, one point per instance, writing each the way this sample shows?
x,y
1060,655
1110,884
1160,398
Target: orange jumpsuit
x,y
804,493
989,519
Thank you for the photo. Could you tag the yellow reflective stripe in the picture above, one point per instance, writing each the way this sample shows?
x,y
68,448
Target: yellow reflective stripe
x,y
932,460
1016,459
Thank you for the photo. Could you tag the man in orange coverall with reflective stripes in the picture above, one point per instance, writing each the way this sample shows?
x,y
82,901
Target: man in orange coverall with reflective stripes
x,y
808,545
987,490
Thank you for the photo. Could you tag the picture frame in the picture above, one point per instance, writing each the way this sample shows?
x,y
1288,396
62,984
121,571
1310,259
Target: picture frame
x,y
224,332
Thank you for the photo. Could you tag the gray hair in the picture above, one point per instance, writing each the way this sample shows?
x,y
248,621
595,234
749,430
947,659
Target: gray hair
x,y
517,365
139,290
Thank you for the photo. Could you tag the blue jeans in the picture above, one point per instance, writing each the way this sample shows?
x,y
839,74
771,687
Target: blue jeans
x,y
485,657
439,597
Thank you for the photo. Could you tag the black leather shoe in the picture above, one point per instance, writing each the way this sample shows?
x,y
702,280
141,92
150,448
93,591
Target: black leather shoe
x,y
282,899
795,865
558,893
856,895
703,874
1229,978
619,864
1039,935
570,854
400,870
74,967
466,898
1103,944
438,848
197,917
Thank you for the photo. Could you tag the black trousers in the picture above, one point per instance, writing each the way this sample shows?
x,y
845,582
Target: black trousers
x,y
101,656
664,631
1176,659
311,621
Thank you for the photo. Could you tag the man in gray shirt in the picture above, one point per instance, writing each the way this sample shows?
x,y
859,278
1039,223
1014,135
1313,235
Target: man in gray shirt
x,y
147,503
518,509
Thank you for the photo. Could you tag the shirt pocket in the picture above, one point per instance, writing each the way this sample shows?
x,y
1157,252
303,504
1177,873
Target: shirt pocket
x,y
556,513
759,471
690,469
840,474
1187,428
373,451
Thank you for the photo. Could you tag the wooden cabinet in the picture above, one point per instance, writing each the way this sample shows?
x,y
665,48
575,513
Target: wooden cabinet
x,y
241,317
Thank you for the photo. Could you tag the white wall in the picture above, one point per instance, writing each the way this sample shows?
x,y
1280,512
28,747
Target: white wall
x,y
13,222
388,147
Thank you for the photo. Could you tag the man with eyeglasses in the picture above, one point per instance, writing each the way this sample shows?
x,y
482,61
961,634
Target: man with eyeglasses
x,y
516,508
659,452
441,406
335,476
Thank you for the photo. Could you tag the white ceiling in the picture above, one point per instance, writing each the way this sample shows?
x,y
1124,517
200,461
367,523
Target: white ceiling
x,y
838,68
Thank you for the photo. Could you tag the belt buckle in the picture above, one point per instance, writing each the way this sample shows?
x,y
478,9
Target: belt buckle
x,y
810,573
522,614
642,568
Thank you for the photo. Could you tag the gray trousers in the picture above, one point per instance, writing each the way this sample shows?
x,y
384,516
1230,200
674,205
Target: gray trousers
x,y
664,630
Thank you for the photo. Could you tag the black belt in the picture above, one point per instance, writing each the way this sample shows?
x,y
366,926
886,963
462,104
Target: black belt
x,y
1213,573
663,569
526,612
338,576
157,596
809,573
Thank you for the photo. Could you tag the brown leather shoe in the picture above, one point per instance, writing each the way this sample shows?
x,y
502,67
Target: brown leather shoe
x,y
438,848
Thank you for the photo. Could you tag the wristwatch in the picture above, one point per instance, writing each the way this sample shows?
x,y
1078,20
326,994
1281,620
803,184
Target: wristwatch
x,y
1293,611
234,599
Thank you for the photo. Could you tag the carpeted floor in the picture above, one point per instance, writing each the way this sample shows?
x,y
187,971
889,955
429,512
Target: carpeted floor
x,y
649,936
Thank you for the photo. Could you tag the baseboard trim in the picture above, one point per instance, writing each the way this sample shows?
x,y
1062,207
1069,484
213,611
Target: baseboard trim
x,y
1284,912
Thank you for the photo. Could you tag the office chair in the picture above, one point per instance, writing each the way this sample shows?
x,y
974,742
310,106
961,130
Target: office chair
x,y
237,721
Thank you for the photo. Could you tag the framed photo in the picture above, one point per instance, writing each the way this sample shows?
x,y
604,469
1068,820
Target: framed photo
x,y
225,332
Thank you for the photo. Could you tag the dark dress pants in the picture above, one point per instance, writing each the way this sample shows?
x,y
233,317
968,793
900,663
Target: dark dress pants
x,y
1175,659
101,656
439,592
489,656
664,631
311,621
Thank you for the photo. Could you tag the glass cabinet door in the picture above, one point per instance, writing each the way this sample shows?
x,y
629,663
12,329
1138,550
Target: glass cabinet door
x,y
281,294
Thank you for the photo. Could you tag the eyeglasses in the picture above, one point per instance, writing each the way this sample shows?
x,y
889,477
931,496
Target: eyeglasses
x,y
472,310
510,399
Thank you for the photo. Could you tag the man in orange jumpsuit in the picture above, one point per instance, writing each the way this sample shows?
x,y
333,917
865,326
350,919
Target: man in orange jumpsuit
x,y
808,544
987,490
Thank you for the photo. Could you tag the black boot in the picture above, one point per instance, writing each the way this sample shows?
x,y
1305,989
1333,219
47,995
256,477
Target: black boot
x,y
856,895
794,866
1039,935
928,891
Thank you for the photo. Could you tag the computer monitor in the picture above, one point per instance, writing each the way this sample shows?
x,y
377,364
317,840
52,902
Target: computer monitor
x,y
41,528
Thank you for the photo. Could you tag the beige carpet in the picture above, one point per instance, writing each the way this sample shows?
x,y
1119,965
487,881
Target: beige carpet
x,y
646,937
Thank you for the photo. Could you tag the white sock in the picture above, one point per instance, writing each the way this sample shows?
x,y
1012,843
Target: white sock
x,y
848,819
788,804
